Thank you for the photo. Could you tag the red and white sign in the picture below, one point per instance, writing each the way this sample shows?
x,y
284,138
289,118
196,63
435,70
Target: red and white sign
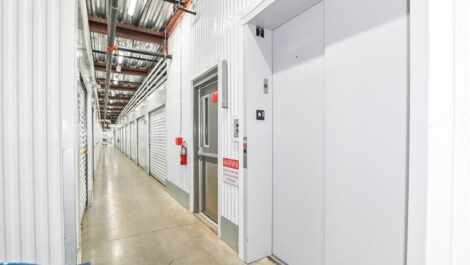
x,y
231,169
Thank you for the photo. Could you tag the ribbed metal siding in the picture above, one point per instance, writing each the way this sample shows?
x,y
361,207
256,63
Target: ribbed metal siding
x,y
123,140
217,26
133,141
142,142
157,144
120,139
127,141
97,138
83,149
34,76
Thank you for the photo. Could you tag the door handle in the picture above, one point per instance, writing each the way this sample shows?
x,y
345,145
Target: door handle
x,y
201,153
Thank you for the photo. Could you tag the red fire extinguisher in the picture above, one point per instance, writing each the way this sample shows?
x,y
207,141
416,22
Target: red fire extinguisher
x,y
183,154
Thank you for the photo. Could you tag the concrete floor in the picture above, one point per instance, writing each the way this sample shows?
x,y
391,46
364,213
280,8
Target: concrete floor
x,y
133,220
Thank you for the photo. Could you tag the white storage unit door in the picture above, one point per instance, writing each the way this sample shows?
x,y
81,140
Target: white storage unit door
x,y
121,144
157,145
124,139
133,141
83,149
123,133
128,140
142,142
126,143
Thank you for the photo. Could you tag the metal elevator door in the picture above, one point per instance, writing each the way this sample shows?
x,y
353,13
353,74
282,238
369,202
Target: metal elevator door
x,y
207,149
83,149
157,144
142,142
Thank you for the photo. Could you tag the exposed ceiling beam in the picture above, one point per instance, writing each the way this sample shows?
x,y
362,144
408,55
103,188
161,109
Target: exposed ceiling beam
x,y
112,113
116,108
114,97
122,88
128,57
149,53
170,28
102,81
124,70
99,25
111,110
117,105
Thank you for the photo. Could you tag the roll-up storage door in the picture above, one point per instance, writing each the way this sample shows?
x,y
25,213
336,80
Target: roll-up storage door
x,y
133,141
142,142
127,141
157,145
83,149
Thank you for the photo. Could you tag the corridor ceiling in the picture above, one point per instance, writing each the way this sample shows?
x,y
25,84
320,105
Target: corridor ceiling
x,y
142,25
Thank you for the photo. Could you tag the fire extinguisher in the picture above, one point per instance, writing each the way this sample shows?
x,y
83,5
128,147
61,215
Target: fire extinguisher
x,y
183,154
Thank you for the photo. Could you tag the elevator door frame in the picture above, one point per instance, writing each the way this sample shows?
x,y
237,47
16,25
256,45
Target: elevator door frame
x,y
197,84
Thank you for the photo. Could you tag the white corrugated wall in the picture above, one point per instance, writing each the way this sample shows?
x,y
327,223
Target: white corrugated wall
x,y
97,131
37,80
198,44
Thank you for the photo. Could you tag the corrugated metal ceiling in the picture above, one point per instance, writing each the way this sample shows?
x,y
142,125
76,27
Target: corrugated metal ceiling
x,y
148,14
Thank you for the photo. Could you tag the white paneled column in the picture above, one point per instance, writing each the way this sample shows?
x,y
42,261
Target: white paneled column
x,y
37,70
25,122
10,130
40,131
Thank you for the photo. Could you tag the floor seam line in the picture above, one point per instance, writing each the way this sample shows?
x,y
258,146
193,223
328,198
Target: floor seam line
x,y
149,232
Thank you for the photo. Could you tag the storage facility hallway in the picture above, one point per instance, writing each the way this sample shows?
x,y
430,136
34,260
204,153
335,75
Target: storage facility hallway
x,y
135,221
234,132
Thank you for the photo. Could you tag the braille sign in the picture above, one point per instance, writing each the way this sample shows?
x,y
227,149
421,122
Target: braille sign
x,y
260,115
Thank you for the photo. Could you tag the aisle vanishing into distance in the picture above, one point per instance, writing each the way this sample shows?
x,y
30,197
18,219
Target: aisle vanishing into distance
x,y
133,220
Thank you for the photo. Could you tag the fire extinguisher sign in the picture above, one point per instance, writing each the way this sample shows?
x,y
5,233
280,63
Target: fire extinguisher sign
x,y
231,169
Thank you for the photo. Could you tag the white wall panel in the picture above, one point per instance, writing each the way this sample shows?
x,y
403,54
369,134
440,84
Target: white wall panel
x,y
97,137
366,131
198,44
298,145
36,76
258,190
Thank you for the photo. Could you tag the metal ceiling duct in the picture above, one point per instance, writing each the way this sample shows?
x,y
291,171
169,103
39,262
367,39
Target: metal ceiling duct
x,y
110,48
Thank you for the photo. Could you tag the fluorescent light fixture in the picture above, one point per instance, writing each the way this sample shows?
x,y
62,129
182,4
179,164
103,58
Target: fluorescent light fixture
x,y
115,82
131,9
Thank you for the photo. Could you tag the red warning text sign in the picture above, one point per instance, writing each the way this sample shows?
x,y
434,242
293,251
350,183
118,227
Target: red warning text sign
x,y
231,174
